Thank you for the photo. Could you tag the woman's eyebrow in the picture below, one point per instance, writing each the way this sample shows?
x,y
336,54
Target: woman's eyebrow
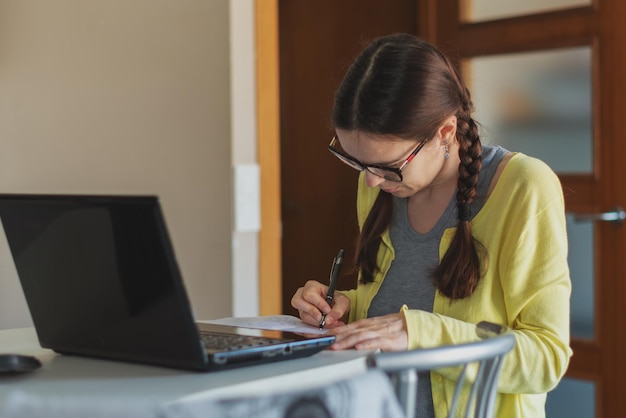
x,y
398,161
368,162
392,163
386,164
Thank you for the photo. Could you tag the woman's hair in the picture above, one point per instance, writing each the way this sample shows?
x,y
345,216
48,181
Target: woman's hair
x,y
401,85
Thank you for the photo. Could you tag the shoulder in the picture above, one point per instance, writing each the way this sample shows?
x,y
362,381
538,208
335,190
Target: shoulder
x,y
527,182
528,166
522,171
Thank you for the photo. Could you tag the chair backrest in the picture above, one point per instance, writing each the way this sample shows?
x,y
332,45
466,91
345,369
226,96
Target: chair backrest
x,y
487,354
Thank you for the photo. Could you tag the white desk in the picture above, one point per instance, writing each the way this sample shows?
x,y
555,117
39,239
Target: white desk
x,y
64,378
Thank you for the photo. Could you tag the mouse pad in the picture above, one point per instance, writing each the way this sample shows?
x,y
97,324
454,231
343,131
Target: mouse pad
x,y
17,363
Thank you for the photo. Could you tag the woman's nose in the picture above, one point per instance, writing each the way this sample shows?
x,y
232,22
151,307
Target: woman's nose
x,y
372,180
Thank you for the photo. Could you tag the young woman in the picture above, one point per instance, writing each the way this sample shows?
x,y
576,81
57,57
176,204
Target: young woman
x,y
452,233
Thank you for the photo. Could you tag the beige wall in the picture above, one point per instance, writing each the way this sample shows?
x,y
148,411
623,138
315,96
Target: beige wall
x,y
123,96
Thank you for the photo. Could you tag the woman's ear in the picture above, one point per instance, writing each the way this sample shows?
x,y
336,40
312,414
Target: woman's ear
x,y
447,130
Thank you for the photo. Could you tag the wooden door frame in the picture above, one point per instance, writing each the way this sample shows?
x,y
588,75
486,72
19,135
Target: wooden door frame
x,y
268,140
611,301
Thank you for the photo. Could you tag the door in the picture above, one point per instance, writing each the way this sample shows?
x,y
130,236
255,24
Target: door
x,y
554,72
318,41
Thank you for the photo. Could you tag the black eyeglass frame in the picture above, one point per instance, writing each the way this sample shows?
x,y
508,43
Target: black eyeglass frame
x,y
358,165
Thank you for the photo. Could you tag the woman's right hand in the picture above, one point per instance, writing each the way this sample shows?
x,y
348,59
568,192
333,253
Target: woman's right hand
x,y
310,301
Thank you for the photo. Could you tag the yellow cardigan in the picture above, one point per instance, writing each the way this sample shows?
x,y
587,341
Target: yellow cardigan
x,y
526,286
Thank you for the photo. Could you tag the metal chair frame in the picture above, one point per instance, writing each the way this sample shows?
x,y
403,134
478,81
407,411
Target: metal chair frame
x,y
488,353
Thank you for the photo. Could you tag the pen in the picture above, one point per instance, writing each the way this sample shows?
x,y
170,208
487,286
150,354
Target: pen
x,y
334,275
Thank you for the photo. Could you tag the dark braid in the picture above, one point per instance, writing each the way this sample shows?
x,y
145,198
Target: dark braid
x,y
375,225
459,272
460,269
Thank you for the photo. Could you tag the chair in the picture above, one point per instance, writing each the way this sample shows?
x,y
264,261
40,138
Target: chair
x,y
487,354
367,394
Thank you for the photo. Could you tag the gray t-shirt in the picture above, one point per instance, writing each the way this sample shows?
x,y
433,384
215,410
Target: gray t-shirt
x,y
409,279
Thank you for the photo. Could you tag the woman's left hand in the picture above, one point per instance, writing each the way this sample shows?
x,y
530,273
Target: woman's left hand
x,y
387,333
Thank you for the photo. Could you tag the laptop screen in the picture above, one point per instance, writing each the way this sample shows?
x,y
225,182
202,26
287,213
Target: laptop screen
x,y
100,276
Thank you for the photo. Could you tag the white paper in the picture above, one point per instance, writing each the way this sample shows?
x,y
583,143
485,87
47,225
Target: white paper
x,y
274,322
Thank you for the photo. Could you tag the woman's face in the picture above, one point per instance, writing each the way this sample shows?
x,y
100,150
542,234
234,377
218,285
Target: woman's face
x,y
424,171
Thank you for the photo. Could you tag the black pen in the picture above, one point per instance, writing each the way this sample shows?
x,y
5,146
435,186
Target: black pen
x,y
334,275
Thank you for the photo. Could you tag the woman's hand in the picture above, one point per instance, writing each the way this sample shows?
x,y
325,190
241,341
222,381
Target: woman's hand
x,y
387,333
310,301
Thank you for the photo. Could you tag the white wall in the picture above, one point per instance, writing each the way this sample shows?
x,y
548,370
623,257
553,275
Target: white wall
x,y
123,96
244,155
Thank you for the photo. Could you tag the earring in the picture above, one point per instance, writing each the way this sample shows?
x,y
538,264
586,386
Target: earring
x,y
447,154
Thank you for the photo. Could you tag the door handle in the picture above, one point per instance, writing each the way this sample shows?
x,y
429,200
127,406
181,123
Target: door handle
x,y
617,216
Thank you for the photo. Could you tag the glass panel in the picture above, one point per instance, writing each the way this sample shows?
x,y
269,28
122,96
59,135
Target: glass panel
x,y
540,104
481,10
580,259
572,398
537,103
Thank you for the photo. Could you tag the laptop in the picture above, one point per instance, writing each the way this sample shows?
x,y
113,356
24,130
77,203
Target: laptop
x,y
101,279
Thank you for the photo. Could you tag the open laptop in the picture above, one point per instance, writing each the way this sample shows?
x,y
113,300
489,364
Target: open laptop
x,y
101,279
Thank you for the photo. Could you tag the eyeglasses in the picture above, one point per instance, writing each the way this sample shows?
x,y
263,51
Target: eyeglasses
x,y
388,173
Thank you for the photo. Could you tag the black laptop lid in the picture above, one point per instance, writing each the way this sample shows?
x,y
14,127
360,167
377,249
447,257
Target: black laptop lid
x,y
100,277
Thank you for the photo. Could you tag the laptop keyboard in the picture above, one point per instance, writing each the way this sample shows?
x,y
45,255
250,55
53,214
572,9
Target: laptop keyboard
x,y
231,342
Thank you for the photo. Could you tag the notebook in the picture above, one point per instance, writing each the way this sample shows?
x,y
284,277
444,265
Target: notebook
x,y
101,279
